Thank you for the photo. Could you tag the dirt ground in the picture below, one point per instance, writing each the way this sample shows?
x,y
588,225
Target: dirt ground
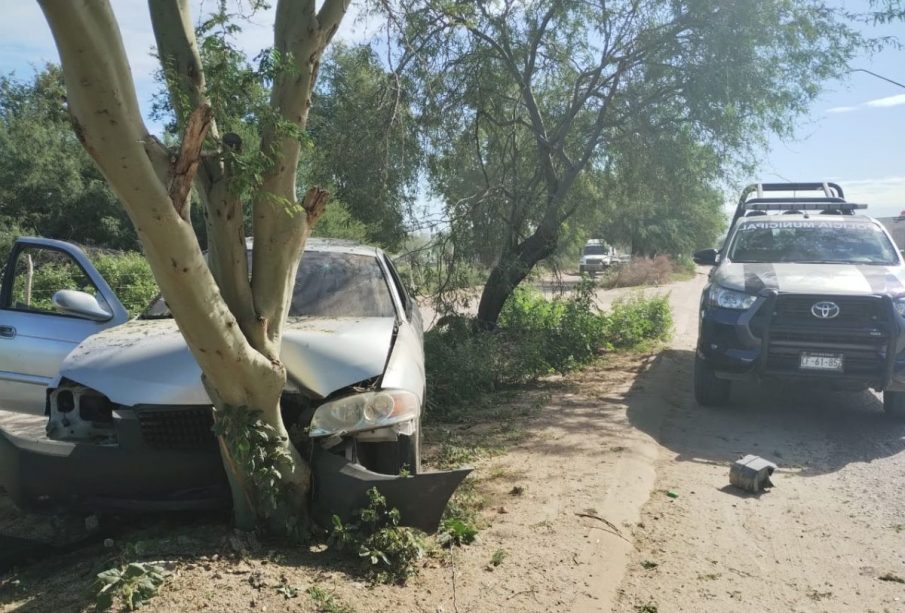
x,y
829,537
571,487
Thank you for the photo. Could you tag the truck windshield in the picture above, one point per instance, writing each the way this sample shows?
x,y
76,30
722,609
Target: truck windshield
x,y
813,242
595,250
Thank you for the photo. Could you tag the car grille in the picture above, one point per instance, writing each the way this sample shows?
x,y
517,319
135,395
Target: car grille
x,y
860,333
177,428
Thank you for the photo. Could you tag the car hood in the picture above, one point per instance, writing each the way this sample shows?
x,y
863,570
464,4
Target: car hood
x,y
148,362
836,279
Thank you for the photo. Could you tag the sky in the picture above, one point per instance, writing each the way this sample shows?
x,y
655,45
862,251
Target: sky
x,y
854,134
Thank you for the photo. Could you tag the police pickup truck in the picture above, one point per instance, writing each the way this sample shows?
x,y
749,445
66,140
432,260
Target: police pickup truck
x,y
805,290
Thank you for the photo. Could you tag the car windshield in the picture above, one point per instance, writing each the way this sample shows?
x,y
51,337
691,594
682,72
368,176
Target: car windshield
x,y
816,242
328,284
595,250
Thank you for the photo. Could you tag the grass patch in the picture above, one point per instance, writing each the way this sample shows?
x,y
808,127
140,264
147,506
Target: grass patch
x,y
327,602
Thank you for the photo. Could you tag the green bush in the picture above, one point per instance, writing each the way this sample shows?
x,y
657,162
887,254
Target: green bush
x,y
535,337
455,354
129,274
387,551
636,320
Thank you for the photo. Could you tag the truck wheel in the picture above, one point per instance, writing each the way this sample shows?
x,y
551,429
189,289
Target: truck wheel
x,y
709,390
894,404
581,270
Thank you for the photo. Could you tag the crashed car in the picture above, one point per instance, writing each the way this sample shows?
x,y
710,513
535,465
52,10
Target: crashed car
x,y
128,421
803,290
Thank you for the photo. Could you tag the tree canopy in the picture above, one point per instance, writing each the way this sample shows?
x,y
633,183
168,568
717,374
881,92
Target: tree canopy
x,y
48,184
521,98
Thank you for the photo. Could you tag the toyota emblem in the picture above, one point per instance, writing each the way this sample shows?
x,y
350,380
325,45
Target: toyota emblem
x,y
825,310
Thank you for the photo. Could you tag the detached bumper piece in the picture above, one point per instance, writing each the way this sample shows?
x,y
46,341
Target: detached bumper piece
x,y
341,488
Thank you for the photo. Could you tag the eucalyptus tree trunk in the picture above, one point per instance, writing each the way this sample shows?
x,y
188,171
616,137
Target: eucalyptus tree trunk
x,y
231,321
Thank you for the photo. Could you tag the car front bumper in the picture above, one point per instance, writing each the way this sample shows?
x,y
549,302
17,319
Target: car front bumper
x,y
44,475
758,344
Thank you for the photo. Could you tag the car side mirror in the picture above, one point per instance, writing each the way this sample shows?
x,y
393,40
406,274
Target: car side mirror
x,y
73,302
705,257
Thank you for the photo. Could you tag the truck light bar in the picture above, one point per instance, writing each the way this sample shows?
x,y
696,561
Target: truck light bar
x,y
803,206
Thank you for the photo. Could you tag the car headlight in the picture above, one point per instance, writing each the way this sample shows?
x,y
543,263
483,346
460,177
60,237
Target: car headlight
x,y
364,411
730,299
900,306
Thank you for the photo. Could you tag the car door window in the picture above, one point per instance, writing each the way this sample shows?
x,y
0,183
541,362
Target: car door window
x,y
38,273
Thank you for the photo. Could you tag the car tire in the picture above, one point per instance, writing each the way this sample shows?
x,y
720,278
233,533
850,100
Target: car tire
x,y
894,404
582,270
709,390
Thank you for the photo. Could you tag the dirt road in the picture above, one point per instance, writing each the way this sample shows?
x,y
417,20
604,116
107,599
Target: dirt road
x,y
829,537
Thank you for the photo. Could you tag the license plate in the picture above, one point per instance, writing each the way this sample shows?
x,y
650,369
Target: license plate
x,y
821,361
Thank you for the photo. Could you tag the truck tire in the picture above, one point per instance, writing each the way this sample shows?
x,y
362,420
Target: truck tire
x,y
894,404
582,270
709,390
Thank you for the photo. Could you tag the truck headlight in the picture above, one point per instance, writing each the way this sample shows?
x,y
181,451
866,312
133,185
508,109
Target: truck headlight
x,y
364,411
730,299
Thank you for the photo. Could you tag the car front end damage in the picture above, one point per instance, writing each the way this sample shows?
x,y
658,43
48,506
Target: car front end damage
x,y
90,454
128,424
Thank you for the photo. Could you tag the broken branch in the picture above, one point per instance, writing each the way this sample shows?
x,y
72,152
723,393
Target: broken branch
x,y
186,165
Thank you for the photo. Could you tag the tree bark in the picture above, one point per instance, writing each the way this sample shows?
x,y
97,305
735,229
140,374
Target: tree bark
x,y
512,269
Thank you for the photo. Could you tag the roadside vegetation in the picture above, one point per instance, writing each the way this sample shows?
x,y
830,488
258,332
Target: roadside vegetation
x,y
536,337
656,270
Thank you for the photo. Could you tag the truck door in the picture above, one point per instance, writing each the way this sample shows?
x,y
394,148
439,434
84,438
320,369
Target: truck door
x,y
39,324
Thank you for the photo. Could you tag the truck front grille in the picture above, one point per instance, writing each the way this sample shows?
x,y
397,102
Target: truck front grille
x,y
861,334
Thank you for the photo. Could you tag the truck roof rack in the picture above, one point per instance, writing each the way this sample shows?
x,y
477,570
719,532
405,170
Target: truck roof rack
x,y
831,200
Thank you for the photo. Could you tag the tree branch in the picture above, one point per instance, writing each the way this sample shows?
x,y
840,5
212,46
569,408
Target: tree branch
x,y
177,48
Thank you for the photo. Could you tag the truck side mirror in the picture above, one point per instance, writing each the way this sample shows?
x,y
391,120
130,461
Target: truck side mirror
x,y
705,257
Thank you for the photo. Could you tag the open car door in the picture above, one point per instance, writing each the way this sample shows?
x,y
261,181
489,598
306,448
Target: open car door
x,y
51,299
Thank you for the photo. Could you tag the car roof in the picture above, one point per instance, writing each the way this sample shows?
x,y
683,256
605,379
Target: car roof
x,y
333,245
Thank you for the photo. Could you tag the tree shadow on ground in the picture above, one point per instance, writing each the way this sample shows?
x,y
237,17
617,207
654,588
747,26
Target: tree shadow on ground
x,y
806,427
201,544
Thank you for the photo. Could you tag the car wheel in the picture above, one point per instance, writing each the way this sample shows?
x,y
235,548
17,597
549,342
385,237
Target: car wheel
x,y
894,404
709,390
582,270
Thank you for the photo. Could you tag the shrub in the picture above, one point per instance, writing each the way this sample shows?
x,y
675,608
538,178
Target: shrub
x,y
387,552
129,274
535,337
461,364
649,271
133,585
637,319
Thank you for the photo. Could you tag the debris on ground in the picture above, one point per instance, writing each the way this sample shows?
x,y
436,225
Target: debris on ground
x,y
751,473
